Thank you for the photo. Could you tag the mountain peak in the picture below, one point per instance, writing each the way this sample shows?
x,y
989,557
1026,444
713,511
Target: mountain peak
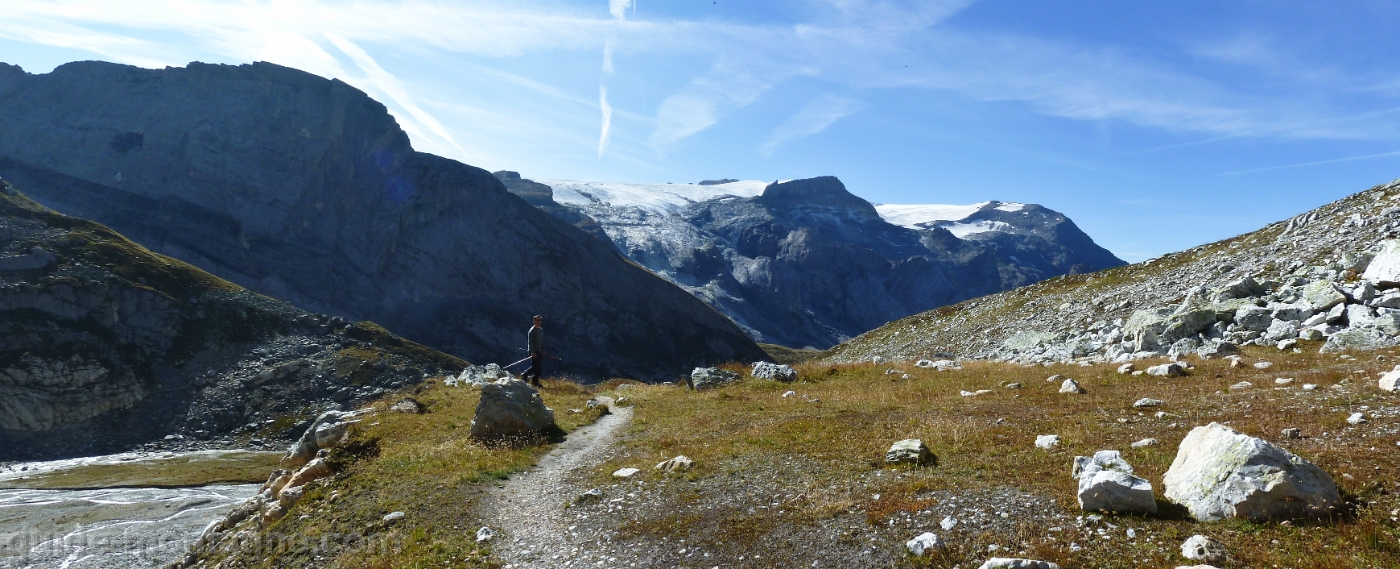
x,y
822,192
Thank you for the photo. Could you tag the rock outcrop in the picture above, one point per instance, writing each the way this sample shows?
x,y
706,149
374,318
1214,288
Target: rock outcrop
x,y
1221,473
807,263
512,411
105,345
306,190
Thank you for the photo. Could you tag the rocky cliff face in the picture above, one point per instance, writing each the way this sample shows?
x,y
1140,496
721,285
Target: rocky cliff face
x,y
1299,283
305,189
104,345
807,263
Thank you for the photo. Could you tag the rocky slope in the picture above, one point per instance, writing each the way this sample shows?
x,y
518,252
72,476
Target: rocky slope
x,y
105,345
806,263
1304,278
305,189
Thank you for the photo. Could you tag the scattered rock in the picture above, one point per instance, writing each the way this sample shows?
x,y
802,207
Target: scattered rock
x,y
1384,269
393,517
1047,441
485,534
1220,473
512,410
948,523
772,371
314,470
1166,370
1391,380
703,378
966,393
1147,442
1201,548
408,405
625,472
940,365
681,462
787,394
1242,385
591,494
1283,381
1148,402
1127,368
1071,386
1288,344
1106,483
1356,419
1013,385
1017,563
328,430
910,451
925,544
1263,365
1292,433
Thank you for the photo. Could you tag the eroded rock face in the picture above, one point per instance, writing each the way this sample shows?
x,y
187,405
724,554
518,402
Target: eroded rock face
x,y
1221,473
305,189
512,411
105,345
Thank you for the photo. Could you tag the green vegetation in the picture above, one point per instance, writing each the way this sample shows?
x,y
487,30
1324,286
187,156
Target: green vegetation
x,y
238,467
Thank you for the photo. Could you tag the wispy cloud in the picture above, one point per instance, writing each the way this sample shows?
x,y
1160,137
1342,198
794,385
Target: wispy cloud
x,y
391,87
607,119
1316,163
812,119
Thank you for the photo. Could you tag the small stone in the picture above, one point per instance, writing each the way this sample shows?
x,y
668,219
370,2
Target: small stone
x,y
1127,368
1148,402
910,451
1047,441
408,405
394,516
1013,386
1166,370
591,494
1391,380
925,544
1356,419
1283,381
625,472
485,534
1147,442
948,523
1071,386
1292,433
1263,365
1288,344
680,462
1309,386
787,394
1201,548
1242,385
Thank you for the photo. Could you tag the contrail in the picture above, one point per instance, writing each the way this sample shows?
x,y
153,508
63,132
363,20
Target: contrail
x,y
1318,163
607,118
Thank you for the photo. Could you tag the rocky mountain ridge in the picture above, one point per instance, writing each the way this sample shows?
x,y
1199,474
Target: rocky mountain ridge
x,y
1305,278
105,345
305,189
807,263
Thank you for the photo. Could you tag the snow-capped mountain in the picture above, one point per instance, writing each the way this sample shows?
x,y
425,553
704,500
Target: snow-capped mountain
x,y
806,263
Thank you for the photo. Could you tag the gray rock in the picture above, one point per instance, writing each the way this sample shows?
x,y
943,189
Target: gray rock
x,y
1047,441
1113,491
1216,350
1202,548
1016,563
1356,418
1353,339
678,463
512,411
778,372
1322,295
1147,402
1254,318
394,517
925,544
1127,368
1280,330
705,378
1147,442
1391,380
1240,289
485,534
1166,370
327,431
1291,433
408,405
1071,386
1220,473
1384,269
910,451
1311,335
1102,460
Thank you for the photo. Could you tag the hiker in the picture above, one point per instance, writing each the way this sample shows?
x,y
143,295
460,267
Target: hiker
x,y
536,349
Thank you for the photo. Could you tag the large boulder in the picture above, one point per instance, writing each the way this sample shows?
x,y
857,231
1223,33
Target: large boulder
x,y
1256,318
910,451
512,410
328,430
779,372
1391,380
1384,269
1354,339
703,378
1322,295
1221,473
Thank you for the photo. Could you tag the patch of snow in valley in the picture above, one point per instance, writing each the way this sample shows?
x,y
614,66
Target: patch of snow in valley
x,y
658,198
925,216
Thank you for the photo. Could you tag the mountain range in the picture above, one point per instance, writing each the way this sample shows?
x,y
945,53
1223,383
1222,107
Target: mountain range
x,y
806,263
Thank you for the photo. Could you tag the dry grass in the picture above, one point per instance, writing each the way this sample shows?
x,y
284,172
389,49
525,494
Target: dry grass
x,y
986,442
423,465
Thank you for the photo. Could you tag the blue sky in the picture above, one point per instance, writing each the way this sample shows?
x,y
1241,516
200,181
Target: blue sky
x,y
1156,126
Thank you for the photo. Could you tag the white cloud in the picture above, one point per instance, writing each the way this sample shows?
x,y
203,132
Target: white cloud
x,y
390,86
812,119
618,8
607,119
608,57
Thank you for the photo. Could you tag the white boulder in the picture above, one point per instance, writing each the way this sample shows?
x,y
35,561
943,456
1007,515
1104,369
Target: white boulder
x,y
1148,402
777,372
1016,563
1221,473
1106,483
1071,386
1201,548
1047,441
1166,370
910,451
925,544
1390,379
1384,269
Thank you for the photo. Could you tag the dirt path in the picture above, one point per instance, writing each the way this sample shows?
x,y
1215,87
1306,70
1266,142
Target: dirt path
x,y
528,512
